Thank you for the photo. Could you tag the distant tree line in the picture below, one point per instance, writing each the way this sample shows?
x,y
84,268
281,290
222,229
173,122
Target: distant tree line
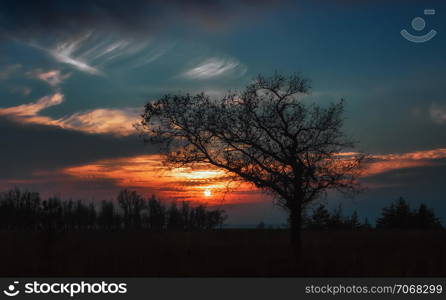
x,y
28,211
398,215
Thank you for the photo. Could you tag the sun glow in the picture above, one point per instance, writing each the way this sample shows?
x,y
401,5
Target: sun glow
x,y
207,193
147,174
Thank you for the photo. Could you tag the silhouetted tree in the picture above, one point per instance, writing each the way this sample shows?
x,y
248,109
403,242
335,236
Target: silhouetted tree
x,y
426,218
52,214
68,215
156,214
353,221
214,219
320,218
265,135
366,224
174,220
91,223
132,205
336,219
81,215
186,215
108,216
397,215
19,209
199,217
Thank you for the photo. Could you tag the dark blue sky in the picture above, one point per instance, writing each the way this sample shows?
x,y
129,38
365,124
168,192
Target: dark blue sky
x,y
75,74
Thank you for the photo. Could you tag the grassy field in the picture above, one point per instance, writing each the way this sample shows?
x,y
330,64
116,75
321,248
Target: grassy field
x,y
223,253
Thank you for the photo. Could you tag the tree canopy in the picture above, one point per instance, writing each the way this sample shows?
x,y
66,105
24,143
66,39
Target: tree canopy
x,y
265,134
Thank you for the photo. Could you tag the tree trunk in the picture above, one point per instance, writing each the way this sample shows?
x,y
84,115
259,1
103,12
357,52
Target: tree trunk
x,y
296,234
295,231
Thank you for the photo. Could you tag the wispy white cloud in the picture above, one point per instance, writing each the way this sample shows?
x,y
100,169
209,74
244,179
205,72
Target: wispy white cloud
x,y
52,77
438,113
91,52
98,121
150,56
215,67
78,64
64,52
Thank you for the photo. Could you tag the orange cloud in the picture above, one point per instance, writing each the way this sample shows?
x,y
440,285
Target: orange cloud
x,y
98,121
52,77
381,163
31,109
147,172
103,121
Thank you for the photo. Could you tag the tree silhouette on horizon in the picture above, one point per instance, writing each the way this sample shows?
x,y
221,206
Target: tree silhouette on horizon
x,y
265,135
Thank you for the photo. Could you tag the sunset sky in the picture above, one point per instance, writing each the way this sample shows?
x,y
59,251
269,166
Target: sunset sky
x,y
74,76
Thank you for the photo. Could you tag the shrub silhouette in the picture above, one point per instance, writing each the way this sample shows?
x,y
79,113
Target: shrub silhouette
x,y
321,218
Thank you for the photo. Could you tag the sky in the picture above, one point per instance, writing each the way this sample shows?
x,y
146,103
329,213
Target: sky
x,y
74,76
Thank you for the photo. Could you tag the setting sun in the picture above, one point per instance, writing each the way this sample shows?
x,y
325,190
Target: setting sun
x,y
207,193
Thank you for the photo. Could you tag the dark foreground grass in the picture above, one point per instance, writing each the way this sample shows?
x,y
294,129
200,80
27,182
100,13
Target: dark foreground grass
x,y
223,253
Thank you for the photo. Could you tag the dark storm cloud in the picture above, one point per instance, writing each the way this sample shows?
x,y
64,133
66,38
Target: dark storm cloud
x,y
26,18
25,148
